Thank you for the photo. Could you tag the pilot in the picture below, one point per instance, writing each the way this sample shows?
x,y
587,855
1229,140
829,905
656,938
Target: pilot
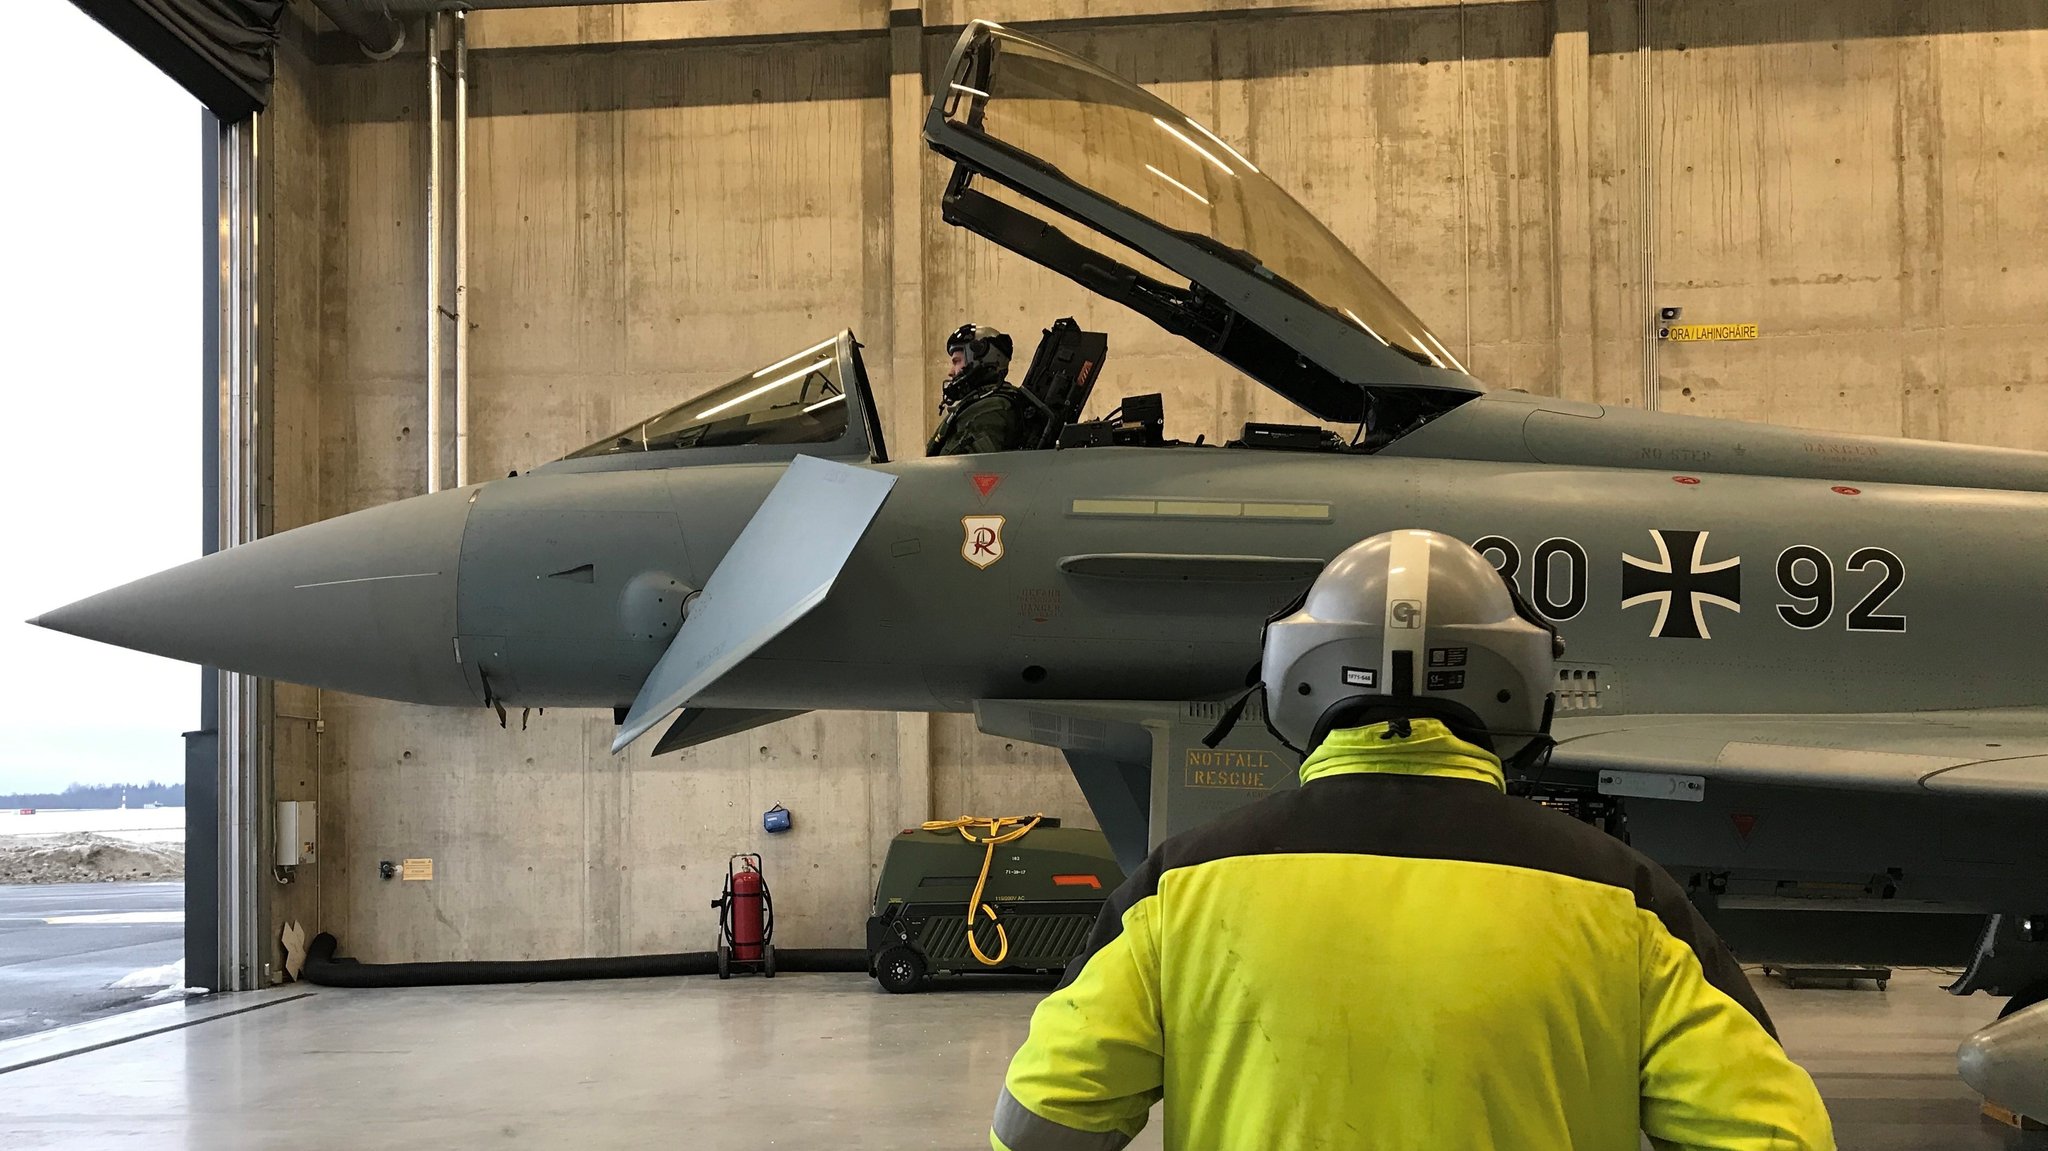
x,y
979,410
1398,954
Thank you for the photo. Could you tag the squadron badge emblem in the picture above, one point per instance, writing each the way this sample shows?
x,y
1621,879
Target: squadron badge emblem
x,y
982,543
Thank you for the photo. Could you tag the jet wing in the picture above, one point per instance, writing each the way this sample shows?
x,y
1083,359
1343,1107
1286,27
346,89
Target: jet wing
x,y
1991,753
702,725
782,565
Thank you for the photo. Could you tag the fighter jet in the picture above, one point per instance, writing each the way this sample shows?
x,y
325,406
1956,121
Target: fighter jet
x,y
1805,667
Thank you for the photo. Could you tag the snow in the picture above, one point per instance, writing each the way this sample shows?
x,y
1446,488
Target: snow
x,y
169,976
163,825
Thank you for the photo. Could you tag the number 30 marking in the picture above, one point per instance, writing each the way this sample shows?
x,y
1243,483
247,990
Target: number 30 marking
x,y
1558,595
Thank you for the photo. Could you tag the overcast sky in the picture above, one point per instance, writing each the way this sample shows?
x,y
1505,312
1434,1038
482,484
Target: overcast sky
x,y
100,308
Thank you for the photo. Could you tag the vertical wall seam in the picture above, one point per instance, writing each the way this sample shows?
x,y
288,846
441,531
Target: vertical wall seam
x,y
433,237
1646,163
1938,162
1465,169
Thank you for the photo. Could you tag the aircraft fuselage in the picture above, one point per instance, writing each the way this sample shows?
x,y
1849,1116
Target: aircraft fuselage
x,y
1071,576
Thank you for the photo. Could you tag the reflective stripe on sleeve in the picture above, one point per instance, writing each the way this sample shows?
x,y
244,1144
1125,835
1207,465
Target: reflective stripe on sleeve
x,y
1021,1129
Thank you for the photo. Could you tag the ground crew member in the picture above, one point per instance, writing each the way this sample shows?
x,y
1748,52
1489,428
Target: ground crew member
x,y
1398,955
979,410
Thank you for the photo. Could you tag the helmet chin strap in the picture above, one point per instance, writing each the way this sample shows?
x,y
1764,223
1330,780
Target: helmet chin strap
x,y
1234,711
1533,755
1537,751
1254,685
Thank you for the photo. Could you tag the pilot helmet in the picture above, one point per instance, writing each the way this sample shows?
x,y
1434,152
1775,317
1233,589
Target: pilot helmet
x,y
1410,625
987,351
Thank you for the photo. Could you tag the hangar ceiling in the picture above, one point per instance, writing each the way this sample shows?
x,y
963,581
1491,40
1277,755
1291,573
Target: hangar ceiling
x,y
221,50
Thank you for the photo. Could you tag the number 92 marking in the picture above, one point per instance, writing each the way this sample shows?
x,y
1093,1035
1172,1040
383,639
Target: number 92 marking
x,y
1807,574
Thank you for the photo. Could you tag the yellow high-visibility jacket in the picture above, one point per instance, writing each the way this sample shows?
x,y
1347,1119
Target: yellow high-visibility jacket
x,y
1400,956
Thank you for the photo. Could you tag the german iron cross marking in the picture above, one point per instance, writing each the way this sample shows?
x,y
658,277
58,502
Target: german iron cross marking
x,y
1681,583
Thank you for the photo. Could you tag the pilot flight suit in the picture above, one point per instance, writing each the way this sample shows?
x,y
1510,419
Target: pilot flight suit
x,y
991,418
1398,955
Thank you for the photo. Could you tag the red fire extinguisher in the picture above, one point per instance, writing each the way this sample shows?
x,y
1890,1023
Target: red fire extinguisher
x,y
746,919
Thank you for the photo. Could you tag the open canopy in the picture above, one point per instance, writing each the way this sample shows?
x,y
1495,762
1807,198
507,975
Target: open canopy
x,y
1270,288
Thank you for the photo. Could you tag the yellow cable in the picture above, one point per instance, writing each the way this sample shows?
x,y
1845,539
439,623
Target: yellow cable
x,y
967,825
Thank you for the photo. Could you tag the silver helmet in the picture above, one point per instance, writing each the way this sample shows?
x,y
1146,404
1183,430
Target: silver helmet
x,y
982,348
1407,625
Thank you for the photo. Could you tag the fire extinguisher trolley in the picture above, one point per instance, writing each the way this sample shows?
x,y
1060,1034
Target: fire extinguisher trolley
x,y
746,919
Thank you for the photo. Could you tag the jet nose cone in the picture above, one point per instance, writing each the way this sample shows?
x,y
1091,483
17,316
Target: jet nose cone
x,y
363,603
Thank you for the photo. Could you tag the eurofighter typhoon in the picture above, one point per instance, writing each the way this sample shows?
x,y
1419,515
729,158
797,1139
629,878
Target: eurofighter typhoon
x,y
1802,667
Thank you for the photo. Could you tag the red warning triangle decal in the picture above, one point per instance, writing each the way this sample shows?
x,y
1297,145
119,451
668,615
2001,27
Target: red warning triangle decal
x,y
985,483
1744,824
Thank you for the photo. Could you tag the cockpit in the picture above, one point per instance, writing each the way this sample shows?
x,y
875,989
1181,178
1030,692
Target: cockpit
x,y
1173,223
817,402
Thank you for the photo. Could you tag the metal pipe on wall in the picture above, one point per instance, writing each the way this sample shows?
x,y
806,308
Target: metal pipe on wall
x,y
369,22
433,231
461,316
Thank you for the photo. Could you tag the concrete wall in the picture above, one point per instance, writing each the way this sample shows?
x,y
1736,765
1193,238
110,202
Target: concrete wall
x,y
292,249
665,194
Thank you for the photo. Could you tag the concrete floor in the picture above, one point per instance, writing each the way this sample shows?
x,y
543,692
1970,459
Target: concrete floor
x,y
61,945
801,1062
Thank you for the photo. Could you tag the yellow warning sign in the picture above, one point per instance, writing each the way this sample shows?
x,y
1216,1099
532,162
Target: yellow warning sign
x,y
418,869
1251,770
1695,333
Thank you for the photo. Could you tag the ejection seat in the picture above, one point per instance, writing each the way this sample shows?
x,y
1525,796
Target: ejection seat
x,y
1062,374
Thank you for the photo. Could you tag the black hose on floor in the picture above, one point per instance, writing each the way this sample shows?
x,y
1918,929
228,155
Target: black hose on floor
x,y
328,970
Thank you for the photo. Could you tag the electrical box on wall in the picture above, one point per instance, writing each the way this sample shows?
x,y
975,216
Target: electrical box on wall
x,y
296,832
